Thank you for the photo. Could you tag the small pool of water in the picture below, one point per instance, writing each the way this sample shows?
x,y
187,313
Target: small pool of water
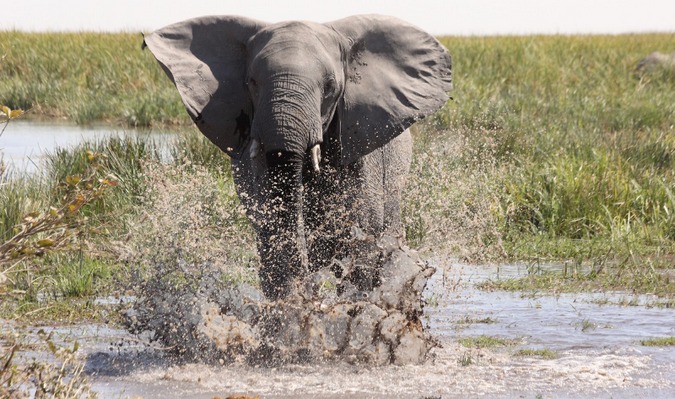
x,y
25,142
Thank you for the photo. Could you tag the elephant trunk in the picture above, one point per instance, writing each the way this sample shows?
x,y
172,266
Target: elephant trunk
x,y
283,247
287,120
287,131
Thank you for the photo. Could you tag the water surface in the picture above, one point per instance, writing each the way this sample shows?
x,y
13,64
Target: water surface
x,y
25,142
598,347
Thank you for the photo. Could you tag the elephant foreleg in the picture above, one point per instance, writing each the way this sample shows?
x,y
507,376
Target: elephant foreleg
x,y
383,174
328,214
381,178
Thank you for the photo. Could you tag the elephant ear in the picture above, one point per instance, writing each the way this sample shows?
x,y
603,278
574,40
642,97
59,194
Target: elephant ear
x,y
206,60
396,75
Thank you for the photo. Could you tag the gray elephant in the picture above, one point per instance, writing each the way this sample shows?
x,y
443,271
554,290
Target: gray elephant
x,y
315,118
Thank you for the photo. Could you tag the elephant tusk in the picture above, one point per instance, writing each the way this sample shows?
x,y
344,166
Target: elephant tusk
x,y
316,157
255,148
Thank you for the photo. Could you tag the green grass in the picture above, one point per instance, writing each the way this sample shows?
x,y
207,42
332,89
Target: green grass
x,y
586,149
664,341
553,148
81,277
548,354
18,197
636,281
465,360
152,202
587,325
86,77
87,265
69,310
486,341
122,161
197,149
470,320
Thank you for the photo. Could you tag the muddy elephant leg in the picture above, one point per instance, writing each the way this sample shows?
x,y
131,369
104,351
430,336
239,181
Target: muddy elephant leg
x,y
382,177
328,214
365,194
397,157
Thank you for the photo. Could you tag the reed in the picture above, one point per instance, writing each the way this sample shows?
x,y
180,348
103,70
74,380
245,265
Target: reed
x,y
563,139
86,77
553,147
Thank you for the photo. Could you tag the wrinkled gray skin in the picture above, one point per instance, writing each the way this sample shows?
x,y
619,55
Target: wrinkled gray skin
x,y
315,118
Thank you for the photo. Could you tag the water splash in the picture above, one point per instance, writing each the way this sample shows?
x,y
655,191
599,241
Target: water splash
x,y
202,317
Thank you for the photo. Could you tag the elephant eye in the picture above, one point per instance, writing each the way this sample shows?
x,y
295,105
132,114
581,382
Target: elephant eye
x,y
329,87
252,86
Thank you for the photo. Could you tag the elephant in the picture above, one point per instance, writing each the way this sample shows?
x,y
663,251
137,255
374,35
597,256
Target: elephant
x,y
315,118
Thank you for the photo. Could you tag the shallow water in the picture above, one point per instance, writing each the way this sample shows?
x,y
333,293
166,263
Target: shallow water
x,y
25,142
551,321
603,360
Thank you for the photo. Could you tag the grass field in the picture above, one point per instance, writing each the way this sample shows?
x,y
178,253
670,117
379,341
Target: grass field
x,y
589,147
86,77
553,148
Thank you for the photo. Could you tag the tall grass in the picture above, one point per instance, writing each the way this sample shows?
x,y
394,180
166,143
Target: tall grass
x,y
86,77
548,139
18,197
122,159
581,146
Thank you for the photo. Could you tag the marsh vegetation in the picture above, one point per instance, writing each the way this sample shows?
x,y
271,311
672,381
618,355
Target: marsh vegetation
x,y
662,341
553,149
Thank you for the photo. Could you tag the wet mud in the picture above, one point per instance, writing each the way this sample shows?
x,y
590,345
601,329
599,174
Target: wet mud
x,y
204,318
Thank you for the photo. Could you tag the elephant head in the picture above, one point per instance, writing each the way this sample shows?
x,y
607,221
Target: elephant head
x,y
279,92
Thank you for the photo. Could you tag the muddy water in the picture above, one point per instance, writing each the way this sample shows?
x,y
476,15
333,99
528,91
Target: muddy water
x,y
598,347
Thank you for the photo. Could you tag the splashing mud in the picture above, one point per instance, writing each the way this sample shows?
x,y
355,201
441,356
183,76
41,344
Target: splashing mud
x,y
604,362
207,319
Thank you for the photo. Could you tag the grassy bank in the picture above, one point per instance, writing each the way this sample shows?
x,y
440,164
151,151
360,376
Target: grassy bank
x,y
585,148
554,148
153,214
86,77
